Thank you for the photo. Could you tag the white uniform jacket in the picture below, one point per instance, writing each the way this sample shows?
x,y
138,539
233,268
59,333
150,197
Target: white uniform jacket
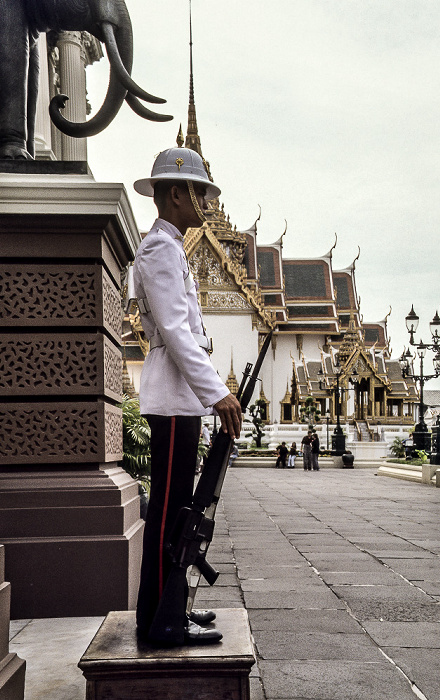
x,y
177,378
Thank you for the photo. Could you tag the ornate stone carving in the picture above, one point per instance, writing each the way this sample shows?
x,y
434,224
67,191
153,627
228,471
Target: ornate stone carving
x,y
33,364
44,364
113,433
206,267
231,301
59,295
48,433
112,306
112,370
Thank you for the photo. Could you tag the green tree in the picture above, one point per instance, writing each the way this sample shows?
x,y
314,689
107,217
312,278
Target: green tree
x,y
136,442
310,413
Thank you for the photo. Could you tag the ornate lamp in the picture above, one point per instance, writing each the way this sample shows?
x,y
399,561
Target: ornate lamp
x,y
412,322
434,327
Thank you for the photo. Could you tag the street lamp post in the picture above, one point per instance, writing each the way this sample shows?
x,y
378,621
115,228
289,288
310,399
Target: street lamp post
x,y
338,437
422,437
327,418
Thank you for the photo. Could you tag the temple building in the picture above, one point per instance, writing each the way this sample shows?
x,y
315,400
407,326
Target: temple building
x,y
247,289
319,335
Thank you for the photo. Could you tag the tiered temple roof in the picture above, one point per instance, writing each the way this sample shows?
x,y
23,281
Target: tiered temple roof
x,y
293,296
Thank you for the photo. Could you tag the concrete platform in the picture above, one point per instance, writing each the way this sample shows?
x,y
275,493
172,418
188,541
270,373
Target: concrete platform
x,y
117,666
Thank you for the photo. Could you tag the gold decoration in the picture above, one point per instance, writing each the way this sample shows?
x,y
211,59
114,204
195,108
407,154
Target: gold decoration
x,y
179,163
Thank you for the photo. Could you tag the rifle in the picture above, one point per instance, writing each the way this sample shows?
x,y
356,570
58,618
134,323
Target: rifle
x,y
194,527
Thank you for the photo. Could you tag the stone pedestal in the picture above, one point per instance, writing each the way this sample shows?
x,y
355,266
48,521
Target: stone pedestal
x,y
12,668
117,667
69,515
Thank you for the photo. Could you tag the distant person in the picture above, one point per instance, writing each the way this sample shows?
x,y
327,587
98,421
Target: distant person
x,y
292,455
315,452
306,446
206,442
234,454
282,453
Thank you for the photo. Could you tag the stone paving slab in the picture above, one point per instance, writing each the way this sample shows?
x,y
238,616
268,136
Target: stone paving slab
x,y
432,588
426,568
316,645
327,621
52,649
363,578
397,604
257,569
355,561
313,598
421,667
423,635
333,680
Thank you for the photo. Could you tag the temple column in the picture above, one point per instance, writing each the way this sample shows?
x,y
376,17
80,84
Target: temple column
x,y
73,84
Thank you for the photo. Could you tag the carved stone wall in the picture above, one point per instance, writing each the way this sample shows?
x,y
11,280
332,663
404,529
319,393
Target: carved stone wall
x,y
59,295
47,433
54,363
69,513
59,364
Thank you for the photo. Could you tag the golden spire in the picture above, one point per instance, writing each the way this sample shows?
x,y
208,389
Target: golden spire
x,y
192,137
231,381
350,340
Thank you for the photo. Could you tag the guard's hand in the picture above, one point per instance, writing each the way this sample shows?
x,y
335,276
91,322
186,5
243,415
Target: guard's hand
x,y
229,411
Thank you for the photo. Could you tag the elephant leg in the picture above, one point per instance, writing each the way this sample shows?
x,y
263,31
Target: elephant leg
x,y
14,66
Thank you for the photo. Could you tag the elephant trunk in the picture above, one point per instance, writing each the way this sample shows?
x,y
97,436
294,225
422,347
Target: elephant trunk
x,y
119,44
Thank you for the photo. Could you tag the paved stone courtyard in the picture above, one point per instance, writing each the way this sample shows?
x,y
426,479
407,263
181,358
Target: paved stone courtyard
x,y
339,571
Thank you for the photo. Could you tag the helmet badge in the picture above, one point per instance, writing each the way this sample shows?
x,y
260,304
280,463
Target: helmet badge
x,y
179,163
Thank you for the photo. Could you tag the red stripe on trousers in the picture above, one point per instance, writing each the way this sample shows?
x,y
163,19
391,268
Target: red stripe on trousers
x,y
165,505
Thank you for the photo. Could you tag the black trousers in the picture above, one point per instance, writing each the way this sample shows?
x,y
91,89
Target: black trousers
x,y
174,442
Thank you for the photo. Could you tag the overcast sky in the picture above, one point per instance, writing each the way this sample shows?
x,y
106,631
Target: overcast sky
x,y
324,112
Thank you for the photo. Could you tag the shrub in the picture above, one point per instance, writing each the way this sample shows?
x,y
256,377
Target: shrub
x,y
398,448
136,458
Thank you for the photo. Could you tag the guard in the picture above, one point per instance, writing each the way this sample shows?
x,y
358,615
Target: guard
x,y
178,382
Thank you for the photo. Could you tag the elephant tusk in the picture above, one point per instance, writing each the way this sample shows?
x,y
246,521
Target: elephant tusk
x,y
120,71
144,112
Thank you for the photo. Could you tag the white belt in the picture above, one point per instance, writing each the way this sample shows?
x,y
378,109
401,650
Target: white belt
x,y
156,341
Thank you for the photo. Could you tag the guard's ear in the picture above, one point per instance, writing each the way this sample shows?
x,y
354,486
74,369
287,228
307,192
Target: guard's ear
x,y
176,195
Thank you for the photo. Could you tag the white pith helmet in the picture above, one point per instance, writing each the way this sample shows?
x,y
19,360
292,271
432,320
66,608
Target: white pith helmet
x,y
177,164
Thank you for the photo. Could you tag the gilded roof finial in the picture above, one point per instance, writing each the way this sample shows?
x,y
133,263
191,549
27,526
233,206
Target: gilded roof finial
x,y
192,135
180,140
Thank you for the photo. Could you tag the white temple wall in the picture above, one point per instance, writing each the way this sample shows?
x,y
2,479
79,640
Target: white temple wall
x,y
277,374
135,371
311,347
232,332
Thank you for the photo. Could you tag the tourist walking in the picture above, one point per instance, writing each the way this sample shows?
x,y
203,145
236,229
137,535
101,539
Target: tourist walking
x,y
306,447
315,452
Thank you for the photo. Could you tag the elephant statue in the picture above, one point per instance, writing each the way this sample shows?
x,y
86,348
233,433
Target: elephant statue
x,y
21,21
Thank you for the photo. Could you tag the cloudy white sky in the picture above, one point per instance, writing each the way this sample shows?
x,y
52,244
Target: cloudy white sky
x,y
324,112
